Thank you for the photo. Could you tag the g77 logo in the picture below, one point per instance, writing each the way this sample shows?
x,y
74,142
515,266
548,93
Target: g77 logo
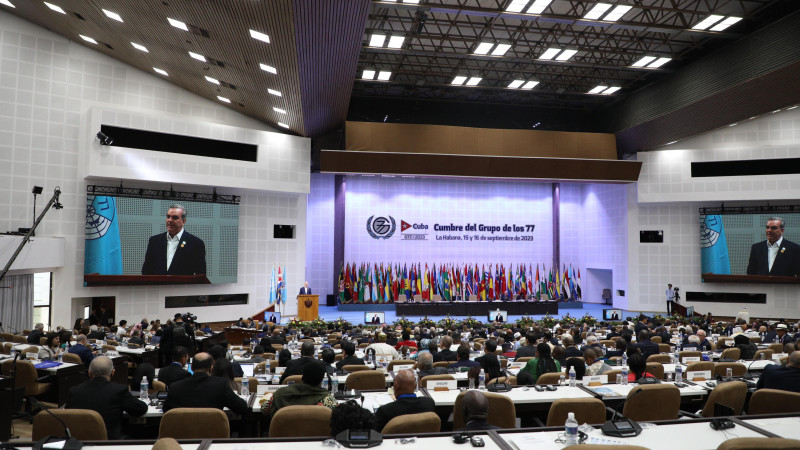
x,y
381,227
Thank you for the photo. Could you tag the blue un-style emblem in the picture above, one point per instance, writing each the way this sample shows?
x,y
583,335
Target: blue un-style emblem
x,y
100,213
381,227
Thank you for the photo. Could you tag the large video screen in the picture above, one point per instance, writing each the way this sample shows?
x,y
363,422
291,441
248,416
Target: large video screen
x,y
129,236
374,317
750,244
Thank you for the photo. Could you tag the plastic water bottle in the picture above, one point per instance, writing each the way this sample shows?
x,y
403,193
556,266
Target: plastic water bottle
x,y
325,383
143,390
679,374
571,430
482,380
624,358
677,356
61,357
624,373
245,386
572,377
334,384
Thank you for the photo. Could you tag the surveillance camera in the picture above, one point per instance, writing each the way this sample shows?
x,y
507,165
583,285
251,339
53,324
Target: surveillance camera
x,y
104,138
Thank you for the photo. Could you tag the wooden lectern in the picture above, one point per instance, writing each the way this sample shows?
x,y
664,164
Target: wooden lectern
x,y
307,307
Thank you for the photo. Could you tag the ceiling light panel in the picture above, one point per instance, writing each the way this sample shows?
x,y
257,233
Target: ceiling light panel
x,y
223,99
212,80
161,71
617,13
268,68
55,8
550,53
459,80
566,54
516,83
611,90
112,15
707,22
177,24
368,75
139,47
88,39
529,85
281,124
259,36
376,40
501,49
274,92
597,11
725,23
197,56
538,6
659,62
384,75
598,89
483,48
7,3
516,6
474,81
396,41
645,60
279,110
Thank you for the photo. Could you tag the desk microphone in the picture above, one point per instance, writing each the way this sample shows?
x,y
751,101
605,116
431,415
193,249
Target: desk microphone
x,y
760,357
70,444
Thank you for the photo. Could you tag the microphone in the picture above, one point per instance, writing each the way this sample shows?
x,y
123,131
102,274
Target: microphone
x,y
69,444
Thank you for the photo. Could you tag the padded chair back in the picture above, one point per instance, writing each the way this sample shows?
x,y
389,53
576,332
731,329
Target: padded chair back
x,y
427,422
158,386
730,353
350,368
167,444
755,339
731,394
273,364
26,377
587,410
773,401
109,348
194,423
293,379
5,347
549,378
659,358
301,421
268,356
776,347
423,383
657,402
524,359
365,380
752,443
19,339
501,411
605,447
766,352
654,368
508,380
608,343
444,364
656,339
663,348
401,362
739,369
696,366
72,358
252,383
31,349
338,357
83,424
690,354
612,375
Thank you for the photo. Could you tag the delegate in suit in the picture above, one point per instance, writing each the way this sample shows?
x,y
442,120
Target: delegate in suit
x,y
305,290
176,252
776,256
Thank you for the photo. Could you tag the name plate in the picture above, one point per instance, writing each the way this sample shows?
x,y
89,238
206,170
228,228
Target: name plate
x,y
280,370
687,359
264,388
698,375
517,365
594,380
112,353
399,367
437,385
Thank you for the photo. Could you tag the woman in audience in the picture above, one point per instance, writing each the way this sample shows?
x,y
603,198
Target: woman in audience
x,y
284,357
143,370
222,368
619,350
748,349
51,348
542,363
638,367
351,416
579,365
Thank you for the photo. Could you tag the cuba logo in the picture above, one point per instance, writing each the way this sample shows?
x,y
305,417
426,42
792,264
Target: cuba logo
x,y
381,227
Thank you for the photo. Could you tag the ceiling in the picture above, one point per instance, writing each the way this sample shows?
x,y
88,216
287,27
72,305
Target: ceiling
x,y
320,49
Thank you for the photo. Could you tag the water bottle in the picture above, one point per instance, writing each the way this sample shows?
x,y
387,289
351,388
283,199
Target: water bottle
x,y
143,390
245,386
624,358
482,380
334,384
571,430
572,377
679,374
677,356
60,357
325,383
624,373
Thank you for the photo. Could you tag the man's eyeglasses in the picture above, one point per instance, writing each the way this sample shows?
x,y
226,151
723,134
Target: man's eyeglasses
x,y
178,217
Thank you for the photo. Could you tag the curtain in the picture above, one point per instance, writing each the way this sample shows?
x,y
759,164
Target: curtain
x,y
16,302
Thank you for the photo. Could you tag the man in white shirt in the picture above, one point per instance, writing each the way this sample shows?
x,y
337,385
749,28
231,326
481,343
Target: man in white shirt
x,y
176,252
776,256
670,297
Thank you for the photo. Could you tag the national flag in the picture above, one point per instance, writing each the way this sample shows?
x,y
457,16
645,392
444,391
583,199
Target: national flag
x,y
272,285
283,285
426,294
103,248
714,256
279,287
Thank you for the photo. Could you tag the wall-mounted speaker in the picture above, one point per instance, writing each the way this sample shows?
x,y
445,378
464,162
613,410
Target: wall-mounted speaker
x,y
646,236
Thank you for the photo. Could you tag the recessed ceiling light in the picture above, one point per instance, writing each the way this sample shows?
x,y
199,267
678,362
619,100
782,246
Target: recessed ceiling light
x,y
617,13
368,75
411,1
670,143
161,71
88,39
281,124
707,22
501,49
659,62
516,83
274,92
268,68
474,81
177,24
644,61
279,110
396,41
55,8
212,80
733,124
566,54
538,6
376,40
598,89
260,36
598,10
384,75
197,56
483,48
7,3
776,111
113,15
516,6
789,109
139,47
223,99
459,80
550,53
611,90
725,23
530,85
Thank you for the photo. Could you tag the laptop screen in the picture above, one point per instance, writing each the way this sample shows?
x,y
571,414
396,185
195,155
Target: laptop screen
x,y
247,368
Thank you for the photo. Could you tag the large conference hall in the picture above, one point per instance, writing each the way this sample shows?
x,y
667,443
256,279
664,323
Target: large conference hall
x,y
397,174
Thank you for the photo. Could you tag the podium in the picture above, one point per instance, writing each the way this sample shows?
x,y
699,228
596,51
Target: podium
x,y
307,307
95,279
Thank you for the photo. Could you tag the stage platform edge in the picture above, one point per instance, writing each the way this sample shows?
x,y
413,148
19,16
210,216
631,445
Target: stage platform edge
x,y
368,307
570,305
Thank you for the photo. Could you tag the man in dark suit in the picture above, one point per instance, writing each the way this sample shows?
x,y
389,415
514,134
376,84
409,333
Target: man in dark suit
x,y
81,348
36,334
529,349
407,402
177,252
305,290
296,366
110,400
570,349
272,318
463,359
476,412
175,371
445,354
783,378
204,391
376,319
425,364
349,356
776,256
645,345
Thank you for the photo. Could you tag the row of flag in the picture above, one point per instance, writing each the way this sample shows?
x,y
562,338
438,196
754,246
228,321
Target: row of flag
x,y
277,286
379,283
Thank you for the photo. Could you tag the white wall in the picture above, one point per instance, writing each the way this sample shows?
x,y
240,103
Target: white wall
x,y
56,92
668,199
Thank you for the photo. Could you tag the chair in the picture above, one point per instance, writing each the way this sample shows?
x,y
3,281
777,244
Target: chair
x,y
350,368
477,346
366,379
773,401
27,378
273,364
657,402
167,444
654,368
587,410
71,358
293,379
31,349
501,411
158,386
730,354
194,423
427,422
444,364
608,343
755,339
731,394
759,444
252,383
549,378
664,348
739,369
268,356
776,347
5,347
301,421
423,383
766,352
83,424
690,354
508,380
524,359
503,363
656,339
699,366
612,375
659,358
109,348
363,345
19,339
401,362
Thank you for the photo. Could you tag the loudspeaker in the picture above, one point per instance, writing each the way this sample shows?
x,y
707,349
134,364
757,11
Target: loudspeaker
x,y
330,300
651,236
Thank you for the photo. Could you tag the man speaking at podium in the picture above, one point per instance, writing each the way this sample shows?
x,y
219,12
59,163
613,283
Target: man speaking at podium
x,y
776,256
305,290
180,253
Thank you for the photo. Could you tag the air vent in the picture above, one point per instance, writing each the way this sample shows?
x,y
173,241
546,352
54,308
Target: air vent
x,y
198,31
215,62
227,85
78,16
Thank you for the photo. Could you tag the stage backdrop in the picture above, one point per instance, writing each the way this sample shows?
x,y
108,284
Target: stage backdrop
x,y
406,219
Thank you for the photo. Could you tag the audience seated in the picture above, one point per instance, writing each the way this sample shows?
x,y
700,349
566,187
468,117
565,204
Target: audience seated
x,y
595,366
445,354
425,364
407,401
297,366
463,358
351,416
542,363
349,351
81,348
223,368
489,361
202,390
36,334
476,412
645,345
748,349
783,378
579,364
309,392
328,357
177,369
638,367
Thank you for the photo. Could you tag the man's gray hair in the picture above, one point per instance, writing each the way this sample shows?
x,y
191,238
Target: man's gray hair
x,y
783,223
694,338
179,206
39,326
591,339
101,366
425,360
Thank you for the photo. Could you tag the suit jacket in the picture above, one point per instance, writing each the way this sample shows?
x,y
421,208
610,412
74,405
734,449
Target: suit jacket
x,y
445,355
787,261
525,351
399,407
648,348
108,399
34,337
189,259
348,360
769,337
296,366
305,291
86,354
783,378
204,391
172,373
